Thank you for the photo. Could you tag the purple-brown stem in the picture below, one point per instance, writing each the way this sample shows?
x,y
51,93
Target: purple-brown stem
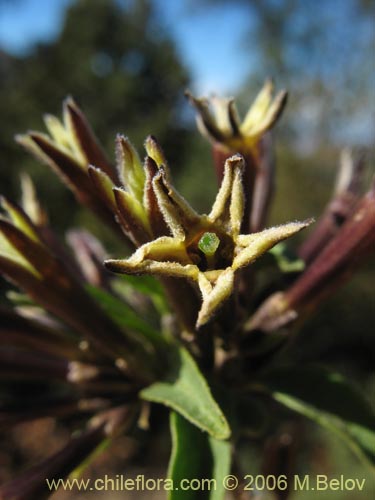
x,y
50,407
264,184
343,254
32,483
90,255
16,330
339,209
354,242
279,457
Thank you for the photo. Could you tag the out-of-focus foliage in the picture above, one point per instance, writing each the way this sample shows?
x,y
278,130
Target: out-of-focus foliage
x,y
111,56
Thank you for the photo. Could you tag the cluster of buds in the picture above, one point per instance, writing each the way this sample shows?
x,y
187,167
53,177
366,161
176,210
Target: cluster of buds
x,y
171,239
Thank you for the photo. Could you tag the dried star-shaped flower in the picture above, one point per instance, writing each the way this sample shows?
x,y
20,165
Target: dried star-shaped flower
x,y
218,119
205,249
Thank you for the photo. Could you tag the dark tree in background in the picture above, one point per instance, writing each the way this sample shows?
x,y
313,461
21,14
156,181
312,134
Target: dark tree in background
x,y
120,66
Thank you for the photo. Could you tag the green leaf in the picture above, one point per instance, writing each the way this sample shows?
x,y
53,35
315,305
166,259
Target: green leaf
x,y
221,455
195,455
286,260
123,315
185,390
147,285
331,401
130,167
19,298
10,252
103,185
19,218
78,472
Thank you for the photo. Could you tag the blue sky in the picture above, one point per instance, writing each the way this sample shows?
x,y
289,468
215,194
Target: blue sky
x,y
208,41
26,21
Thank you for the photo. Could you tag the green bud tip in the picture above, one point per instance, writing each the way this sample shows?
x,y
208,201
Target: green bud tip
x,y
208,244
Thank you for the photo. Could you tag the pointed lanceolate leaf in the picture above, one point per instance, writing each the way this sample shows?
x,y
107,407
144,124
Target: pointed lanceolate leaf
x,y
30,203
103,185
123,315
130,168
132,216
33,254
195,455
18,270
185,390
85,138
328,399
71,173
222,458
19,218
66,167
11,258
146,285
57,131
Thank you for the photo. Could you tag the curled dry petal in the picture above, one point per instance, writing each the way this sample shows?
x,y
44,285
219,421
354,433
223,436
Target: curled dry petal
x,y
206,250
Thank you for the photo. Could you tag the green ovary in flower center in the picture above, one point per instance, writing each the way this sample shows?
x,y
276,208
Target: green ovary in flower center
x,y
211,250
208,244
